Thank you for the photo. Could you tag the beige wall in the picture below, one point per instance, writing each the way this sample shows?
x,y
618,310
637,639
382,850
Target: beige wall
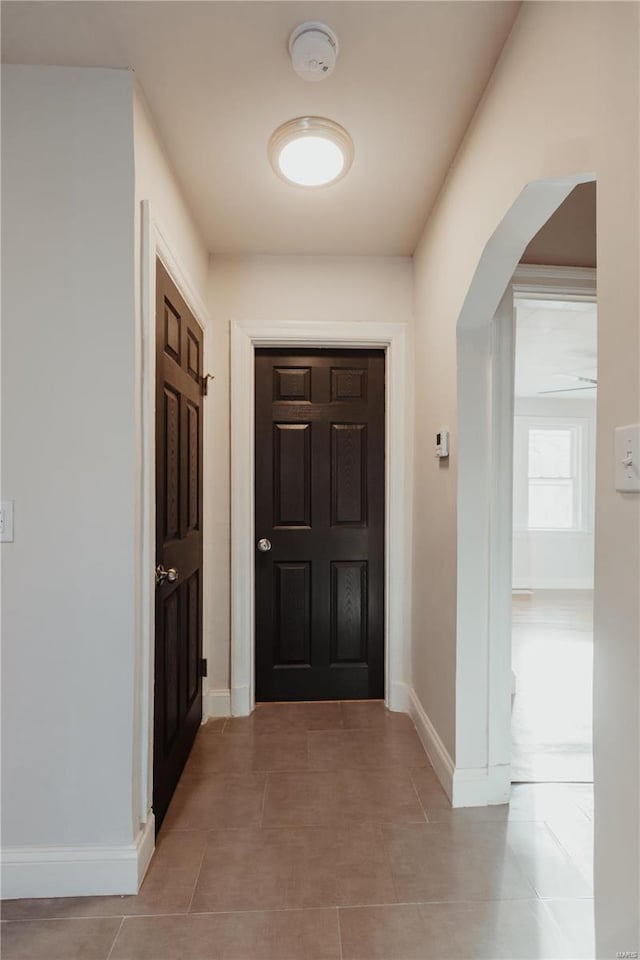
x,y
563,100
156,181
273,289
568,238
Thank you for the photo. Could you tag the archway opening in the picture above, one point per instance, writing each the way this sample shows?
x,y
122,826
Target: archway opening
x,y
485,342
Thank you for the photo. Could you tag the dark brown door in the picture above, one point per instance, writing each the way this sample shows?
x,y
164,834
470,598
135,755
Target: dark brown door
x,y
178,646
320,506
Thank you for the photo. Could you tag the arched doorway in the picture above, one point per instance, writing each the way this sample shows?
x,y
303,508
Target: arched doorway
x,y
484,533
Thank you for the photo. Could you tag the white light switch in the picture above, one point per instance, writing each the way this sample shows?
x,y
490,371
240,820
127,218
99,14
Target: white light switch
x,y
627,458
6,521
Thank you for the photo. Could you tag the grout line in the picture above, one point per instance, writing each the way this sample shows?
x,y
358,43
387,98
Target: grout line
x,y
251,771
305,825
345,906
264,799
382,904
563,934
116,937
87,916
588,875
387,856
339,934
415,790
195,884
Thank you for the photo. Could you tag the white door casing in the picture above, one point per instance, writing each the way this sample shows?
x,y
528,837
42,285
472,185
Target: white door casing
x,y
245,338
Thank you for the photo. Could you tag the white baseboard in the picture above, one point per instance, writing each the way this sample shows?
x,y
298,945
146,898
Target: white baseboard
x,y
554,583
399,697
237,703
436,751
464,787
217,703
241,705
145,845
77,871
481,786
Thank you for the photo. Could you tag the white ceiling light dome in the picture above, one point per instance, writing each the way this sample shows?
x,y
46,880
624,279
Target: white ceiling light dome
x,y
311,151
313,48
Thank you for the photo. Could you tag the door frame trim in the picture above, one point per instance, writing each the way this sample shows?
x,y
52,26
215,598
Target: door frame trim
x,y
154,242
246,337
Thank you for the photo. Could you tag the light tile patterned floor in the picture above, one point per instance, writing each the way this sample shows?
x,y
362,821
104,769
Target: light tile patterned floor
x,y
320,832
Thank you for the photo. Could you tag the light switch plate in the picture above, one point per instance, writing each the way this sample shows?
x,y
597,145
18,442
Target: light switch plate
x,y
6,521
627,458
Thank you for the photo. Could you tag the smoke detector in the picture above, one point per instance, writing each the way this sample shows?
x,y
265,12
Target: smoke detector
x,y
313,48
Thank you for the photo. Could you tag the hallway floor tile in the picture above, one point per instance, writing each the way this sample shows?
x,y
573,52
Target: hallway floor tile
x,y
320,832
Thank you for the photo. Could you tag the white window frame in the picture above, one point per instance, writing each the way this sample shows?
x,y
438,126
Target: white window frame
x,y
581,430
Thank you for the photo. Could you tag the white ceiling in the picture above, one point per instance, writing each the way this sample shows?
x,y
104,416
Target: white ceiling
x,y
555,343
218,80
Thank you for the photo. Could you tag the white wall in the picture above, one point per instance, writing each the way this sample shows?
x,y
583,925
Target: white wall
x,y
563,100
275,289
68,456
549,559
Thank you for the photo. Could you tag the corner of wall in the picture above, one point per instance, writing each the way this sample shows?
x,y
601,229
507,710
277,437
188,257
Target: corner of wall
x,y
78,871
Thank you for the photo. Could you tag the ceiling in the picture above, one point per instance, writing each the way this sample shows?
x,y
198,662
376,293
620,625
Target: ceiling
x,y
568,238
555,343
218,80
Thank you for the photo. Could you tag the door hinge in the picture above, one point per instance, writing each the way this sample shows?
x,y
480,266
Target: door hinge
x,y
203,667
204,383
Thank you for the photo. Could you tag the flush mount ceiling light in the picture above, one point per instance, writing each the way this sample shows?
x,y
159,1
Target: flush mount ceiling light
x,y
311,151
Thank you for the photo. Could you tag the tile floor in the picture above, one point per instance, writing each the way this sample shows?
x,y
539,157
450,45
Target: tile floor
x,y
552,711
320,832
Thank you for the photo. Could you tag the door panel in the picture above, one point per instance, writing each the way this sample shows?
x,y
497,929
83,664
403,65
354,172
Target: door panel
x,y
320,501
292,474
178,688
292,614
348,474
349,612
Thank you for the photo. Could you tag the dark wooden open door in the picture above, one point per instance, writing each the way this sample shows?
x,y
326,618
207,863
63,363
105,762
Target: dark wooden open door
x,y
320,452
178,637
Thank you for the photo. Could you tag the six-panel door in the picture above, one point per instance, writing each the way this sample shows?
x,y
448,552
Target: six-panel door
x,y
320,502
178,636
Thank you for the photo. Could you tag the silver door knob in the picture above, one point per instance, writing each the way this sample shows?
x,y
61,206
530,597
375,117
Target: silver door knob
x,y
170,575
264,545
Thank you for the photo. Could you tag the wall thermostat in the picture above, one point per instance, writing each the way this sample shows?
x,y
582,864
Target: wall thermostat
x,y
442,444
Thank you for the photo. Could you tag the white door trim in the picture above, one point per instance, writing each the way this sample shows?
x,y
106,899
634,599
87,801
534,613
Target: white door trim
x,y
154,242
245,337
554,283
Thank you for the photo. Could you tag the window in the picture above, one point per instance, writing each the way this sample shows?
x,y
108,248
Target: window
x,y
552,482
552,475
